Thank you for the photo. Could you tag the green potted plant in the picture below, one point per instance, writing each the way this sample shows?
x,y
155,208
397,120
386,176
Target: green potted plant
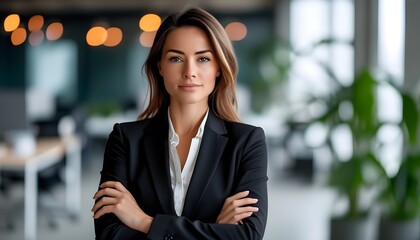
x,y
350,178
401,197
354,177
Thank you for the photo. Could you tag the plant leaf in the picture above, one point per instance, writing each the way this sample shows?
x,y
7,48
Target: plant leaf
x,y
364,102
410,117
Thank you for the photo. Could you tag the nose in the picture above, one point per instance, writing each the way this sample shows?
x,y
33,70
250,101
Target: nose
x,y
190,70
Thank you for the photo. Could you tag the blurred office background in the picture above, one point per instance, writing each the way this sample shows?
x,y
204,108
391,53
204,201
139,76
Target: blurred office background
x,y
296,57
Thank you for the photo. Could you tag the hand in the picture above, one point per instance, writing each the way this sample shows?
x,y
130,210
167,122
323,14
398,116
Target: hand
x,y
236,208
115,198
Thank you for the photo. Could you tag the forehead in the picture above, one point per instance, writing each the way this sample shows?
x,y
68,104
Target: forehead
x,y
187,38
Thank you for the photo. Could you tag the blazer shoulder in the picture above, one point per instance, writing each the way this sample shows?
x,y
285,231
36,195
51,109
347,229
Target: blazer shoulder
x,y
135,124
240,129
132,127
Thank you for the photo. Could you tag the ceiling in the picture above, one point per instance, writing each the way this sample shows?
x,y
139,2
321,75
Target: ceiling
x,y
95,6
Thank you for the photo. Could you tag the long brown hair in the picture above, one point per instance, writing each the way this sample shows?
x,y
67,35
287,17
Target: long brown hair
x,y
223,98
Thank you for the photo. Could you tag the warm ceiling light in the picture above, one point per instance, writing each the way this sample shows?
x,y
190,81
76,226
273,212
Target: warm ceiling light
x,y
54,31
35,23
96,36
114,37
36,38
18,36
11,22
146,39
150,22
236,31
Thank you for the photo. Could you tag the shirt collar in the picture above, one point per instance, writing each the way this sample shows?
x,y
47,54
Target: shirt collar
x,y
173,137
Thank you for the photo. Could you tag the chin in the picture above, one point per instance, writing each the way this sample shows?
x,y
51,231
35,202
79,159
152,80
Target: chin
x,y
189,101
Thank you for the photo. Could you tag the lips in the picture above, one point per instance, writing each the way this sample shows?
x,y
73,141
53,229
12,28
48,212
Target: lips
x,y
189,86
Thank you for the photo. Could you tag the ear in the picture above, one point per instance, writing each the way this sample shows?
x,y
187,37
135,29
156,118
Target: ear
x,y
218,74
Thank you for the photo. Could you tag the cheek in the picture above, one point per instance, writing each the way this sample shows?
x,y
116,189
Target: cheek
x,y
211,84
167,84
212,77
211,73
163,70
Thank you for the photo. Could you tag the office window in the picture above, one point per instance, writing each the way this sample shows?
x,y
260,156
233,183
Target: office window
x,y
310,22
391,17
391,37
52,74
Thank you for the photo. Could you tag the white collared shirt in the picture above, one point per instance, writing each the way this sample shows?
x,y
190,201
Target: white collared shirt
x,y
180,179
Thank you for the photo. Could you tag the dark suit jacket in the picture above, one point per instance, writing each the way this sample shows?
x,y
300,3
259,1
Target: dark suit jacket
x,y
232,158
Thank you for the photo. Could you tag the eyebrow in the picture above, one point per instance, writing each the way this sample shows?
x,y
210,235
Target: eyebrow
x,y
181,52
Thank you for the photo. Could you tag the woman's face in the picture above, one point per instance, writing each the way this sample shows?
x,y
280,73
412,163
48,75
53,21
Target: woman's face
x,y
188,66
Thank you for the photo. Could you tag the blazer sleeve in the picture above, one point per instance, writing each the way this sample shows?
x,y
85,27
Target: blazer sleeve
x,y
252,176
115,169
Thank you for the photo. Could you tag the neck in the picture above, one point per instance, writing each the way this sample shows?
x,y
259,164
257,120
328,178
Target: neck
x,y
186,119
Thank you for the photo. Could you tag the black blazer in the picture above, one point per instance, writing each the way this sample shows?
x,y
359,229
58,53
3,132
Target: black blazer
x,y
232,158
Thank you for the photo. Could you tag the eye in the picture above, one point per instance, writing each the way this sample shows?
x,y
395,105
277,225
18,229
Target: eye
x,y
204,59
175,59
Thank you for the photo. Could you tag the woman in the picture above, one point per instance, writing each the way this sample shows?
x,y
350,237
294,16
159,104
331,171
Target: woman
x,y
187,169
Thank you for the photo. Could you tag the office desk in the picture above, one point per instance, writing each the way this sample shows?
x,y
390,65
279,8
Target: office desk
x,y
48,152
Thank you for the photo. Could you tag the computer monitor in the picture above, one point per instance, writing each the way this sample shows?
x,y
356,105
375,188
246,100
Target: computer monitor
x,y
12,111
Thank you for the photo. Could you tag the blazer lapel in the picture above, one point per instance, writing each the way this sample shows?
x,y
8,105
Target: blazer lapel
x,y
156,148
211,149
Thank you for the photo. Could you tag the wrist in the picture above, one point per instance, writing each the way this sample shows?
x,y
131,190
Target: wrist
x,y
145,224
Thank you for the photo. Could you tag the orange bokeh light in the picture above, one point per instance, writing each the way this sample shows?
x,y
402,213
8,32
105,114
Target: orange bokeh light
x,y
11,23
36,38
150,22
96,36
114,37
54,31
18,36
236,31
35,23
146,38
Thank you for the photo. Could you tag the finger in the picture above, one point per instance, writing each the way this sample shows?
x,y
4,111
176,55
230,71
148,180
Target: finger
x,y
238,218
228,215
230,206
242,210
231,202
107,184
237,211
244,201
235,219
103,202
239,200
114,184
238,195
118,186
104,210
111,192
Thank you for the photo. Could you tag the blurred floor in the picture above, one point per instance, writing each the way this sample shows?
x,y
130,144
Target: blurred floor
x,y
298,210
65,227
